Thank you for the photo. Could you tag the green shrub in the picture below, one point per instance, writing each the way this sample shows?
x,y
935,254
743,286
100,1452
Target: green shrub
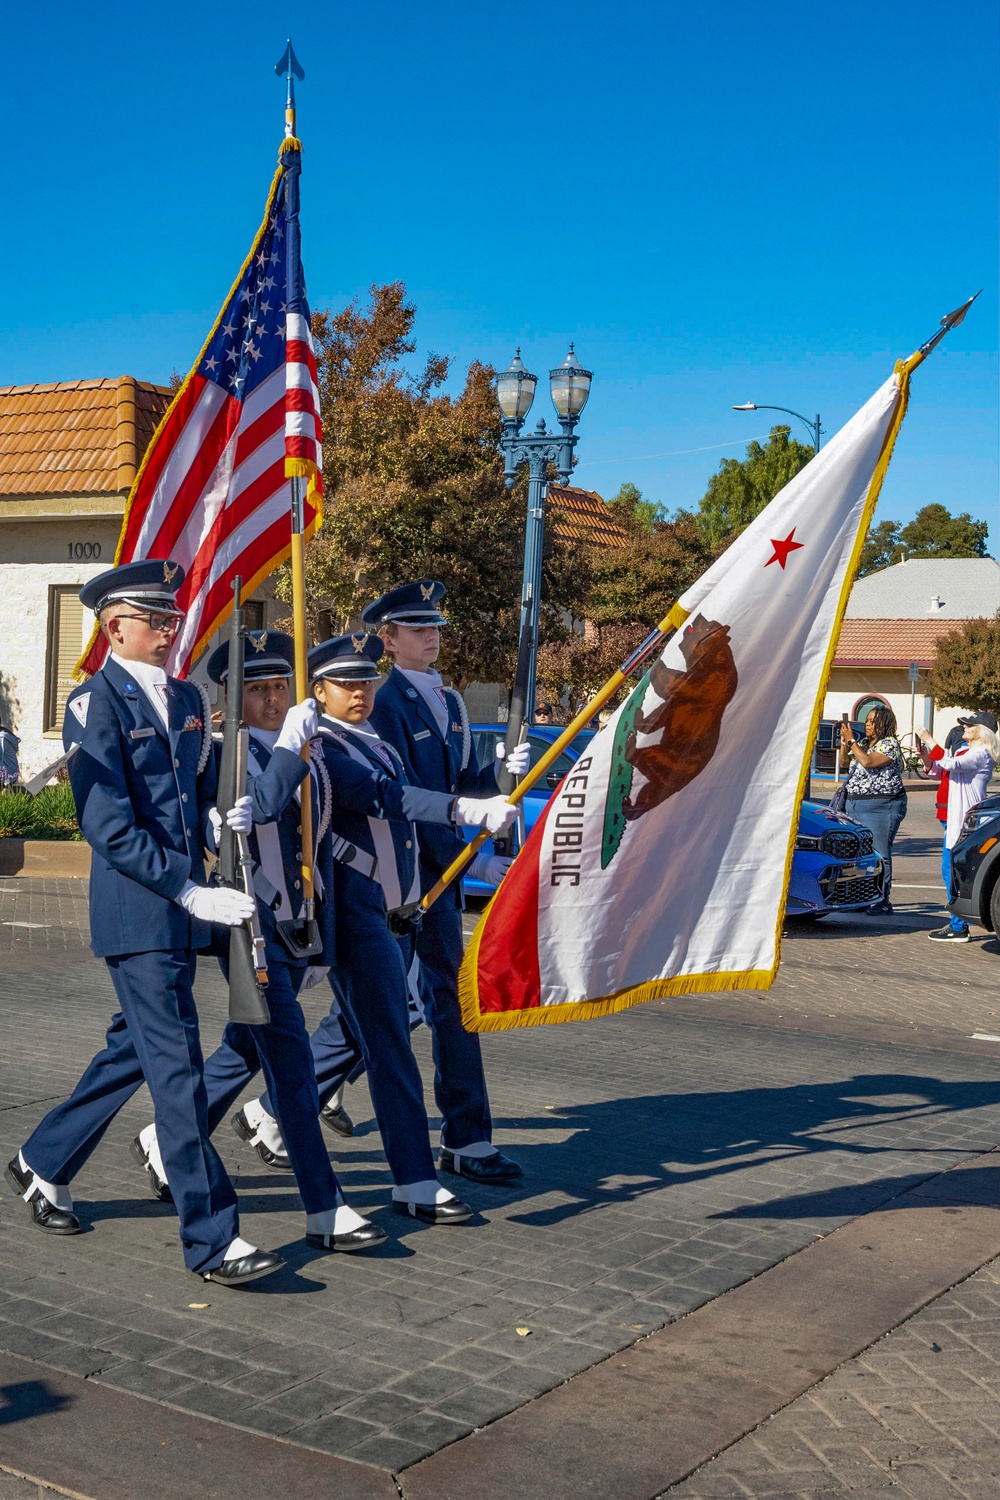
x,y
50,815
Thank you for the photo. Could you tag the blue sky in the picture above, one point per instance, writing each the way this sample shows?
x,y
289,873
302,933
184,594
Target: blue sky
x,y
719,203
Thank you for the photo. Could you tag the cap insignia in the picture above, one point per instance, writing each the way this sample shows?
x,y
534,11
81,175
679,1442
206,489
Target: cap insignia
x,y
359,642
426,592
168,572
258,642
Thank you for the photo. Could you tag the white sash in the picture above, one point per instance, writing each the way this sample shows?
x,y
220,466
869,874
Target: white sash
x,y
386,871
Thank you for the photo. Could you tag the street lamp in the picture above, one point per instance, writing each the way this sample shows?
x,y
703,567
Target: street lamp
x,y
569,384
815,430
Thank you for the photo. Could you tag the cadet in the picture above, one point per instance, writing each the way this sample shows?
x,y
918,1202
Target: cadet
x,y
427,724
144,780
375,854
271,815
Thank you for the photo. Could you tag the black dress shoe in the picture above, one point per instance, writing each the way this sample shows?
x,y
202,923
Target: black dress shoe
x,y
497,1169
337,1119
160,1185
276,1159
245,1268
365,1237
44,1214
452,1212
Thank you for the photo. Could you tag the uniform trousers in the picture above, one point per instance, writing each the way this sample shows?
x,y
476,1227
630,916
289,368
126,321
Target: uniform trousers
x,y
369,982
281,1050
459,1079
153,1039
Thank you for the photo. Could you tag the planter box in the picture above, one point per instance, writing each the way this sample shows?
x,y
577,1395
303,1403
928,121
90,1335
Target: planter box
x,y
57,858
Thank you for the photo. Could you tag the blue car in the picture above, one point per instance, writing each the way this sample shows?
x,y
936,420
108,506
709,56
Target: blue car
x,y
834,868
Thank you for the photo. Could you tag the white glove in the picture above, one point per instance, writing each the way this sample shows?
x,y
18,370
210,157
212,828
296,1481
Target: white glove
x,y
240,815
490,868
313,976
301,723
495,814
216,821
517,761
215,903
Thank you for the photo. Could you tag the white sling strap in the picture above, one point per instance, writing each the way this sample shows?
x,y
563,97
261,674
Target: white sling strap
x,y
385,871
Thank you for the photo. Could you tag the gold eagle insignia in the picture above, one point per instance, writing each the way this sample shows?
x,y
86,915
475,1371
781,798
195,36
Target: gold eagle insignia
x,y
359,642
258,642
168,572
427,592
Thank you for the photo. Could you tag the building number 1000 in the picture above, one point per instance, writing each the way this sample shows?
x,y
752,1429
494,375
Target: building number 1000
x,y
83,551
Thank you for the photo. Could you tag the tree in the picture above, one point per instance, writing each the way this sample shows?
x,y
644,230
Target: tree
x,y
414,487
935,532
742,487
632,511
882,548
629,589
966,667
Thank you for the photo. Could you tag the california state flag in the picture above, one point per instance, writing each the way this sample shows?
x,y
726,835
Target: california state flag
x,y
661,863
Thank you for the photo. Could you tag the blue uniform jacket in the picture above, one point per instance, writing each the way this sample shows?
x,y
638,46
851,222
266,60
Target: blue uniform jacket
x,y
359,794
279,774
402,717
142,795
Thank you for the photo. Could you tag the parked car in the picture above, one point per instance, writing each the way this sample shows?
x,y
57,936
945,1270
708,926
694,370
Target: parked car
x,y
834,868
975,866
828,744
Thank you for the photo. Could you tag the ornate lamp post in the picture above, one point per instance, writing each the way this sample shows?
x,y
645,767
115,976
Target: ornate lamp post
x,y
569,384
815,429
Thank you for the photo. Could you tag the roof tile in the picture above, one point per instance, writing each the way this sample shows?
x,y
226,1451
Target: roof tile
x,y
890,643
582,516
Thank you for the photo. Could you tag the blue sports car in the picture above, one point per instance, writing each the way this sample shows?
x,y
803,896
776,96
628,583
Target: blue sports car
x,y
834,868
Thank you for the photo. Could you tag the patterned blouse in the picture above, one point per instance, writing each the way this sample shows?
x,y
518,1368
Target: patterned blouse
x,y
878,781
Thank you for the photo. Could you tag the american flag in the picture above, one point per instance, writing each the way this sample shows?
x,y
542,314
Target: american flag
x,y
212,492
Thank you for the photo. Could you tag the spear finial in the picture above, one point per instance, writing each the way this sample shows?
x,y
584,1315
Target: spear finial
x,y
948,322
289,65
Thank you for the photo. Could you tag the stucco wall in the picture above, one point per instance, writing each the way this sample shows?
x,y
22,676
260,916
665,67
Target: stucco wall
x,y
848,684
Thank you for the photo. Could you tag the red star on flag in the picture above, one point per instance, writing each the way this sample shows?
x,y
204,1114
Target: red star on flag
x,y
782,549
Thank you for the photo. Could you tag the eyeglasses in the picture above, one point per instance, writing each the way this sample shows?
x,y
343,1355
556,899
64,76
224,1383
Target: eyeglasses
x,y
157,622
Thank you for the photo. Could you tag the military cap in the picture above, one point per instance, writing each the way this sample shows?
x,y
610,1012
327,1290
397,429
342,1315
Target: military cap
x,y
151,584
409,604
266,653
346,658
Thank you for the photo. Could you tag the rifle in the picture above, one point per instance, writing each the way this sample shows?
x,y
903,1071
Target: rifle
x,y
247,960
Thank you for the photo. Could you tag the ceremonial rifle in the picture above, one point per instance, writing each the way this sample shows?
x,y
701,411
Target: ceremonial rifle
x,y
247,960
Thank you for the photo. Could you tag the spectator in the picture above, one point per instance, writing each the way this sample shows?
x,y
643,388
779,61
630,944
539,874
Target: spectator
x,y
968,770
874,787
543,713
10,771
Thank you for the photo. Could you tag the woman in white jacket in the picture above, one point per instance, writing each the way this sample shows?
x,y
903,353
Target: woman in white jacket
x,y
969,771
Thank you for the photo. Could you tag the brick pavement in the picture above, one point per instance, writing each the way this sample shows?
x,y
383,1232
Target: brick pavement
x,y
668,1157
916,1416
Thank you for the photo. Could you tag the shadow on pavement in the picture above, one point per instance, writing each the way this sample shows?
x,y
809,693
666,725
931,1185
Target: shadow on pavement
x,y
976,1185
622,1150
29,1398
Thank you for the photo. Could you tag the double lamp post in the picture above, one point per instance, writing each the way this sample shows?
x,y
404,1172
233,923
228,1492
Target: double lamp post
x,y
569,384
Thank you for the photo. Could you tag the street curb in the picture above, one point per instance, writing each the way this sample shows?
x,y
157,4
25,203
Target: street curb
x,y
97,1443
644,1419
62,858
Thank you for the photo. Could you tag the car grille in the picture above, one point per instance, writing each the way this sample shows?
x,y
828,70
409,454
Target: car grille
x,y
852,892
847,845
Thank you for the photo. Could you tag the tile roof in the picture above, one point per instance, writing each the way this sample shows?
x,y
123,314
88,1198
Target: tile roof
x,y
942,588
77,438
582,516
889,643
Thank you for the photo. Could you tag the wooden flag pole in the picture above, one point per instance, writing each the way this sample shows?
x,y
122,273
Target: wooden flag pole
x,y
655,639
301,636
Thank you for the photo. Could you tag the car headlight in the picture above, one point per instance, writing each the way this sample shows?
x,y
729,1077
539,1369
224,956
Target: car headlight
x,y
978,817
805,841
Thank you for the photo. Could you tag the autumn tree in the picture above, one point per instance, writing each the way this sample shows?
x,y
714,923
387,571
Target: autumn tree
x,y
414,487
742,487
966,666
933,532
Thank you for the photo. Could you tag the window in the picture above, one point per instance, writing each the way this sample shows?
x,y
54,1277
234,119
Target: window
x,y
65,647
253,614
864,706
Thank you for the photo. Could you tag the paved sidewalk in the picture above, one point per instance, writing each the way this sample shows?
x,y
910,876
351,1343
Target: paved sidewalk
x,y
916,1416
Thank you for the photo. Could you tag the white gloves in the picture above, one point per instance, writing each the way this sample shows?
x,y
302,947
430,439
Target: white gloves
x,y
490,868
313,976
215,904
239,817
301,723
495,814
517,761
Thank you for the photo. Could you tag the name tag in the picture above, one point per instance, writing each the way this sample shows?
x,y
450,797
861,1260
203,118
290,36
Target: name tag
x,y
142,734
424,734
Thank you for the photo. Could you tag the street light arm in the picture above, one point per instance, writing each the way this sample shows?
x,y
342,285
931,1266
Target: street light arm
x,y
813,427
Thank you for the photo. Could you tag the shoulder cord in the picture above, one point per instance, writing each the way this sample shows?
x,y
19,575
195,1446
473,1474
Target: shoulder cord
x,y
463,714
326,790
206,727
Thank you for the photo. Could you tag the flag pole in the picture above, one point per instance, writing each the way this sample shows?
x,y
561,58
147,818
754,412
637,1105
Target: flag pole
x,y
655,639
291,160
